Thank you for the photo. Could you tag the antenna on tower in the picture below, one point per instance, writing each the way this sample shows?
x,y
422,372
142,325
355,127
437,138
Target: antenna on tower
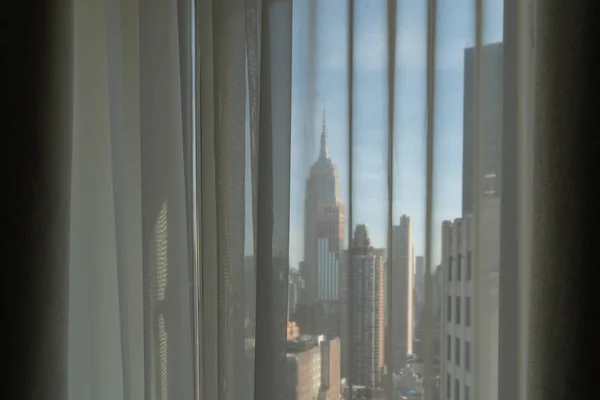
x,y
324,152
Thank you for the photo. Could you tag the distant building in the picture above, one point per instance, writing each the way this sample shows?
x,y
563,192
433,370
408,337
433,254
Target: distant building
x,y
324,228
320,318
491,120
402,323
303,375
362,311
466,306
293,291
313,368
420,279
292,331
331,379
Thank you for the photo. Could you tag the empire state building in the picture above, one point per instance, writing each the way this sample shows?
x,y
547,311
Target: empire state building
x,y
324,228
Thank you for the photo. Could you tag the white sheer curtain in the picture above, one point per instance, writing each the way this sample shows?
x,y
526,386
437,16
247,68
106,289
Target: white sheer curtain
x,y
195,135
131,239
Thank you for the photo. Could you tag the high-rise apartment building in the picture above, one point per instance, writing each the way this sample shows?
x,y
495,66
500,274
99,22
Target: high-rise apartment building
x,y
490,108
293,291
470,245
331,379
420,278
402,296
470,305
457,318
303,370
324,228
362,311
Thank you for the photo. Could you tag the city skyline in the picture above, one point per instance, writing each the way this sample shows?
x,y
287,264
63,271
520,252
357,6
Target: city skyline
x,y
370,154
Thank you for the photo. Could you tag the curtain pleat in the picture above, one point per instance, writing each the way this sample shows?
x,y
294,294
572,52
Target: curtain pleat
x,y
389,345
273,194
167,273
229,146
428,375
130,311
125,158
95,368
207,189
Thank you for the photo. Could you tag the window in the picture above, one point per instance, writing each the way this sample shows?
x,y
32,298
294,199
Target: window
x,y
468,311
449,309
449,268
448,386
449,345
468,356
456,389
457,351
469,263
459,267
466,392
458,310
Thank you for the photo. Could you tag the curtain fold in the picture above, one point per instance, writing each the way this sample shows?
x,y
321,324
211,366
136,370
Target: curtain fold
x,y
131,247
273,194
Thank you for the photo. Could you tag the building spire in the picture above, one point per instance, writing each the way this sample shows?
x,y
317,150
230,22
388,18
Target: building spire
x,y
324,153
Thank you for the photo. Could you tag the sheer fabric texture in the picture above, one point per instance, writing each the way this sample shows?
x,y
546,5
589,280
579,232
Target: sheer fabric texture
x,y
277,199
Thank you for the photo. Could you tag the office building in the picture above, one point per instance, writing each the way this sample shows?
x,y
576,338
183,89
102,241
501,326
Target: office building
x,y
303,369
331,379
490,107
470,305
402,296
324,228
362,311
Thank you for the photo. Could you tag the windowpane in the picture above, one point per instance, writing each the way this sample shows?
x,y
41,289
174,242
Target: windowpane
x,y
468,311
469,262
457,351
458,310
449,309
456,389
468,356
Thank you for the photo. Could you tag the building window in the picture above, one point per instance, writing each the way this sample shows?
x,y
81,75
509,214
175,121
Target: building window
x,y
458,310
467,392
449,345
459,267
449,268
448,386
449,309
468,311
468,356
457,351
469,264
456,389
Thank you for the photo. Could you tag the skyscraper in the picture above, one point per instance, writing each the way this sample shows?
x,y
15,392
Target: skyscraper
x,y
362,302
470,245
303,369
491,107
324,228
402,295
420,279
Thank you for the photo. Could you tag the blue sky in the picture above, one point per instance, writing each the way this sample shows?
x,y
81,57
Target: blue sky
x,y
455,31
